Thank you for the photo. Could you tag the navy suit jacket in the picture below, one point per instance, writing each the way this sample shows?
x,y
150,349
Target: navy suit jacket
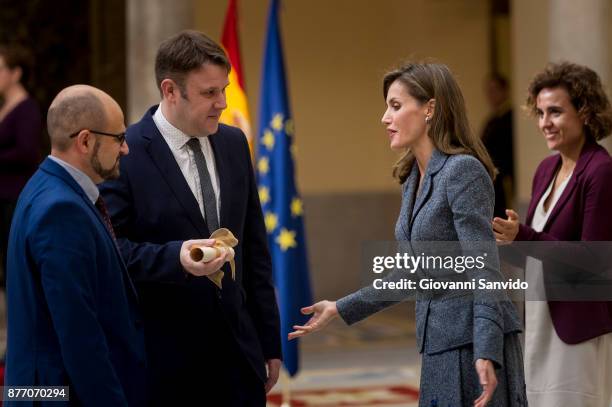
x,y
582,213
153,212
72,309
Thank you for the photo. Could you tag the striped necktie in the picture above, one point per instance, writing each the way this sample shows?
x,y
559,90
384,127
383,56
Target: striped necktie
x,y
105,216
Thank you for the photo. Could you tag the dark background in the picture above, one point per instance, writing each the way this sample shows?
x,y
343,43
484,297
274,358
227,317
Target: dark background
x,y
71,41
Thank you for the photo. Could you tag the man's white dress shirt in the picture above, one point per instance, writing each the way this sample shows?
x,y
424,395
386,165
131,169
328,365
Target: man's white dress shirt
x,y
177,141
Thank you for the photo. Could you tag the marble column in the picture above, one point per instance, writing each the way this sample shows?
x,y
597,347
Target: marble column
x,y
149,22
530,22
553,30
579,33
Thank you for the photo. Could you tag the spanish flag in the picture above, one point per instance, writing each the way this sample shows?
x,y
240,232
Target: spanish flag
x,y
237,112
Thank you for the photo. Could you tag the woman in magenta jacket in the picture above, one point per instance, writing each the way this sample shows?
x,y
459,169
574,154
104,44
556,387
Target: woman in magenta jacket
x,y
568,345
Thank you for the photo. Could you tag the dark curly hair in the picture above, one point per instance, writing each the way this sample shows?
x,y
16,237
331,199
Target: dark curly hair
x,y
585,91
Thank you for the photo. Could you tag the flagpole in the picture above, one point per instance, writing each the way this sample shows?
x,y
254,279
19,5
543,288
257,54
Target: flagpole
x,y
285,382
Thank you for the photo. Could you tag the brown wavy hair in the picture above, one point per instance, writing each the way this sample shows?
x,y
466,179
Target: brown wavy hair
x,y
449,129
586,94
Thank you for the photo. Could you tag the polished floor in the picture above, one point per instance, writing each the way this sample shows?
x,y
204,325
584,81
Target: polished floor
x,y
373,363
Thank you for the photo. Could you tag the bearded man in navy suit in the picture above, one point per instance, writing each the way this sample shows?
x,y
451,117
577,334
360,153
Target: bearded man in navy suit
x,y
72,308
185,177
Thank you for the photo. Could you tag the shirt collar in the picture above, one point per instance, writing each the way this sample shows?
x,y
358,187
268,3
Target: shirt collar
x,y
175,137
91,190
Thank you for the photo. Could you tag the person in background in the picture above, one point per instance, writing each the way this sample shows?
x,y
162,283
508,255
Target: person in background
x,y
568,345
20,133
471,353
497,137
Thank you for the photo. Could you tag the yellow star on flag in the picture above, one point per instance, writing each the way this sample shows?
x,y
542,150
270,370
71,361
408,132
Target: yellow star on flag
x,y
289,127
268,139
271,221
264,195
263,165
286,239
297,207
277,122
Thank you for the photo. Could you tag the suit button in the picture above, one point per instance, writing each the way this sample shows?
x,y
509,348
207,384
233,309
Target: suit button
x,y
219,294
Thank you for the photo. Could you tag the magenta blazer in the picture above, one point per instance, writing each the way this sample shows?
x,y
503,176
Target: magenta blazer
x,y
582,213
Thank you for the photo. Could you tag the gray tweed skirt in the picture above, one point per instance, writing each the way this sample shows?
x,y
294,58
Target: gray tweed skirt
x,y
449,379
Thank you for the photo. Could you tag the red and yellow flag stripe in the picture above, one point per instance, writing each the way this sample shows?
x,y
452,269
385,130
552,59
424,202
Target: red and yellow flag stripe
x,y
237,112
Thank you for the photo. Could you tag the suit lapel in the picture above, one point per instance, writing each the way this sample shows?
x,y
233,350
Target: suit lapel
x,y
436,162
585,156
216,143
569,190
124,271
164,160
545,180
422,195
409,196
55,169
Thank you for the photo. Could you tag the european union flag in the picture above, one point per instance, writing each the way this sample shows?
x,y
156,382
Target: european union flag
x,y
282,206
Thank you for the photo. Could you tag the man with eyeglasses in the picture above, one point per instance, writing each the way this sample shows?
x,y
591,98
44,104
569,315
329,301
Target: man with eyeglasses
x,y
111,172
72,309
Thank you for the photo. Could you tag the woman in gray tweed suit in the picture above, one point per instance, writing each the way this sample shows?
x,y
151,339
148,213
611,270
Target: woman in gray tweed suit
x,y
470,346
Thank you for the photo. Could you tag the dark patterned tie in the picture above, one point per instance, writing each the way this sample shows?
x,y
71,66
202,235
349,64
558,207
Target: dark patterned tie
x,y
208,193
105,216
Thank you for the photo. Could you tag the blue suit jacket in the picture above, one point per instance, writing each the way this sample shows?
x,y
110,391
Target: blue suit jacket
x,y
72,309
187,318
455,204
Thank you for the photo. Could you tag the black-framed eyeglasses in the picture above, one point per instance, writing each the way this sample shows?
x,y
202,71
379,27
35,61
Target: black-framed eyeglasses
x,y
119,136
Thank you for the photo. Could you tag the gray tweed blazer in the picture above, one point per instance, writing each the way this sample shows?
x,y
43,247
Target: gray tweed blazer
x,y
455,204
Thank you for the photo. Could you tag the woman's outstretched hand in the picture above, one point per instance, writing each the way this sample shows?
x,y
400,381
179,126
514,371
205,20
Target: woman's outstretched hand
x,y
488,381
505,230
323,313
